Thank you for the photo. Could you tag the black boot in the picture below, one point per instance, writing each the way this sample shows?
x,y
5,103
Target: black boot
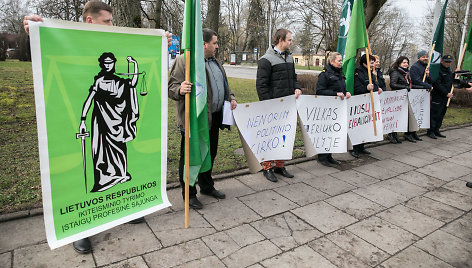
x,y
395,135
391,138
283,171
83,246
409,138
415,136
269,174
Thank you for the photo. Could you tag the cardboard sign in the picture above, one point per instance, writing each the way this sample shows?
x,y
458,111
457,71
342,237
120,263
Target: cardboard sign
x,y
360,126
324,120
421,106
268,127
394,111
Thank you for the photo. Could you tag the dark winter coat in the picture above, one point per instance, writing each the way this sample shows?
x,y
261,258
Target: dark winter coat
x,y
331,81
276,76
361,80
442,85
381,79
416,73
398,81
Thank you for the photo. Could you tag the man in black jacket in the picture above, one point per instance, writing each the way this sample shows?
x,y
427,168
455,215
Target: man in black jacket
x,y
440,95
362,86
332,82
276,78
417,72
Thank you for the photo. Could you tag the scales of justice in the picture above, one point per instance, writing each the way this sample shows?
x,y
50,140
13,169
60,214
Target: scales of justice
x,y
114,116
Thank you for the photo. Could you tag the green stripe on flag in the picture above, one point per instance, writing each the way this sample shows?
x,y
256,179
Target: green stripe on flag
x,y
200,160
438,48
356,38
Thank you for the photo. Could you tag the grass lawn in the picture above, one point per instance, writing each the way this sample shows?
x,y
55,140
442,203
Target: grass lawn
x,y
20,185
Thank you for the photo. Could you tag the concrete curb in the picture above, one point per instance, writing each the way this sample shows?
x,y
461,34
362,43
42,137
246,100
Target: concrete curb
x,y
39,211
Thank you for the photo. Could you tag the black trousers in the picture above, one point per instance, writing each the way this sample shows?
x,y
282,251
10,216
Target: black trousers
x,y
205,181
438,111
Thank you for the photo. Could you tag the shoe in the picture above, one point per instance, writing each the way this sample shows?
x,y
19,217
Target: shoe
x,y
354,153
283,171
391,138
364,151
333,161
324,162
215,193
193,202
82,246
431,135
439,134
136,221
395,135
469,184
409,138
415,136
269,174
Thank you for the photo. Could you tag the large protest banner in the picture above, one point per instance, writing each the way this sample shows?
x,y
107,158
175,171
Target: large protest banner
x,y
420,104
268,127
394,111
101,109
324,120
360,126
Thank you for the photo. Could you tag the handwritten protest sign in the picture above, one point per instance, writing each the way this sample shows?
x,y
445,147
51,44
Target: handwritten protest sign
x,y
324,120
420,104
268,127
394,111
360,126
101,109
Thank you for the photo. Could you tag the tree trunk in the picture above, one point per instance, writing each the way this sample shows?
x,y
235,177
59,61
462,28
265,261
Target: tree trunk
x,y
372,7
213,16
158,14
126,13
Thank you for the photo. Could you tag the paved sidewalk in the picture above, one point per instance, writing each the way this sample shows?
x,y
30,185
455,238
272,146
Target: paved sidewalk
x,y
405,206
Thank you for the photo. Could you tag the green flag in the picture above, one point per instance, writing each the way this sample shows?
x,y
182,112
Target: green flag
x,y
467,62
192,39
356,38
344,25
438,48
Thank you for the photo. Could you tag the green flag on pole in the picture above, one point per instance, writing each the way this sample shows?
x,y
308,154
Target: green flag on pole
x,y
192,39
344,25
356,38
438,48
467,62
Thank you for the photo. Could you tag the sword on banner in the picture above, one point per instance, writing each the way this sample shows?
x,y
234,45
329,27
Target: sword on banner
x,y
82,136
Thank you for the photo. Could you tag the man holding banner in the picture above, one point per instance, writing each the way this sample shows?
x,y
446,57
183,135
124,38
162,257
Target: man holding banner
x,y
217,92
276,78
94,12
331,82
418,71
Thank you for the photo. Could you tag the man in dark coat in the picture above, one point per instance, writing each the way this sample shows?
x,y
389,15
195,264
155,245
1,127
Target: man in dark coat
x,y
417,72
439,96
332,82
276,78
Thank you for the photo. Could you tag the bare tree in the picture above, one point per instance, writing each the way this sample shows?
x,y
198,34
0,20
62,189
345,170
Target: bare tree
x,y
371,8
126,13
212,20
234,14
70,10
388,34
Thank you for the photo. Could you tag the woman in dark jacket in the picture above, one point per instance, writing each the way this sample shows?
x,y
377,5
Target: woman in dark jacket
x,y
400,79
331,82
378,74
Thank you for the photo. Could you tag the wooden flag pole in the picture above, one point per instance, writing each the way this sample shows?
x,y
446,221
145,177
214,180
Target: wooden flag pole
x,y
187,135
368,42
371,92
459,64
429,60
